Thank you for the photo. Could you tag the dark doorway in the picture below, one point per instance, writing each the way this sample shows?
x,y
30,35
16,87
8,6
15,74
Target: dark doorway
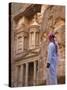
x,y
30,73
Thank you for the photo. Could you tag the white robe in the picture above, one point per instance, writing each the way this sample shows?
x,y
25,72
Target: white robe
x,y
52,59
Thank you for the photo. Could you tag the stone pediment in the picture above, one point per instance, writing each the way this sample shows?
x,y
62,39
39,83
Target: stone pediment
x,y
30,54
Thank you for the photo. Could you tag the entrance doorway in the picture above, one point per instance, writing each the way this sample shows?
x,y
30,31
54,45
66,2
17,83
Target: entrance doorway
x,y
30,73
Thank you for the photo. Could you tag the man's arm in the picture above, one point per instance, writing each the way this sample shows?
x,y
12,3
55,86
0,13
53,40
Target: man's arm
x,y
50,49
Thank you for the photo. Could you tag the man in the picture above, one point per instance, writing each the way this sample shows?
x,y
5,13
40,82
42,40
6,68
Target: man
x,y
52,60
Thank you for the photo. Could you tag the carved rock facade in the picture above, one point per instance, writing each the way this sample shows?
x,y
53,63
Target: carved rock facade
x,y
30,26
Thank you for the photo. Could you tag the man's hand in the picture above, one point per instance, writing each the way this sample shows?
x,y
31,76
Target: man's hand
x,y
48,65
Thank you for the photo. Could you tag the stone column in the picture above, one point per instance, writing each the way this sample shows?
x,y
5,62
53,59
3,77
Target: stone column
x,y
34,73
26,75
22,43
16,76
21,76
34,39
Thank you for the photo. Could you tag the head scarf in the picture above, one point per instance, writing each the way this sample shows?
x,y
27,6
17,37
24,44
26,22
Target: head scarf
x,y
51,35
